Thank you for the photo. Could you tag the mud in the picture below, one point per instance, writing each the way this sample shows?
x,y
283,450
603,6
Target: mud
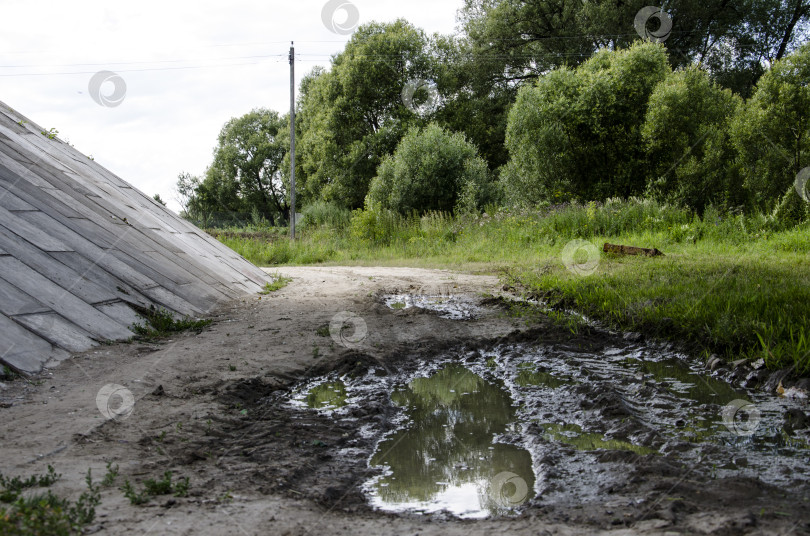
x,y
288,424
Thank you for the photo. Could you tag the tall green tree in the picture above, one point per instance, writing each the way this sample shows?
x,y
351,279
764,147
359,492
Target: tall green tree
x,y
431,169
519,39
247,161
690,154
772,131
353,115
577,132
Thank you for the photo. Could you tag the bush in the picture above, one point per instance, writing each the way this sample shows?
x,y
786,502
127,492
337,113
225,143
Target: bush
x,y
325,214
772,131
685,133
431,170
577,133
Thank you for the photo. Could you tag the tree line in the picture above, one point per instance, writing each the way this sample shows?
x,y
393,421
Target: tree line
x,y
534,101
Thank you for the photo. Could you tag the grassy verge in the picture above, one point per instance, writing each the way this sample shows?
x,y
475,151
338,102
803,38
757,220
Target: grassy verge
x,y
732,285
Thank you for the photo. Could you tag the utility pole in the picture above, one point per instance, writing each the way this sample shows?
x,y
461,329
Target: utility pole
x,y
292,140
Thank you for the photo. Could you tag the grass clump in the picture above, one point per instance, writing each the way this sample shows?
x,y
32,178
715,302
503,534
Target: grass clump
x,y
153,488
278,283
45,513
162,323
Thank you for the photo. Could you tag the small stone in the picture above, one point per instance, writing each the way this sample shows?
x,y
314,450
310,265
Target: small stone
x,y
794,419
758,364
713,362
738,363
632,336
159,391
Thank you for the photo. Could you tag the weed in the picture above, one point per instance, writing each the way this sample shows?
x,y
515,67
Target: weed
x,y
135,498
322,331
47,513
162,323
279,282
111,475
7,373
232,368
153,488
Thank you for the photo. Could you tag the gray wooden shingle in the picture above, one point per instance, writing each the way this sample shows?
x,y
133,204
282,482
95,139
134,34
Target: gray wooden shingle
x,y
80,249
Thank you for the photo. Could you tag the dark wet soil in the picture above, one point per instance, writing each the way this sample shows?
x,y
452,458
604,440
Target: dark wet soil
x,y
612,432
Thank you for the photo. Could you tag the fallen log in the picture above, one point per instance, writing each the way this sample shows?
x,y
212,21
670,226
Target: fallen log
x,y
630,250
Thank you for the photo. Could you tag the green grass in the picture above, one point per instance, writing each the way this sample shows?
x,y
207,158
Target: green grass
x,y
154,487
279,282
161,323
733,285
45,513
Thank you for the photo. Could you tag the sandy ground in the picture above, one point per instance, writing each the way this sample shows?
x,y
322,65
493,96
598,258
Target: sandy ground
x,y
198,412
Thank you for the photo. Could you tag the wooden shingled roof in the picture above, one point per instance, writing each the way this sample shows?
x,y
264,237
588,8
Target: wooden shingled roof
x,y
81,250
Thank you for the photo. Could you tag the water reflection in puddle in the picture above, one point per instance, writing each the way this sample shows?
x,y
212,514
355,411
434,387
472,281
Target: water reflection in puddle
x,y
451,306
445,457
479,433
322,395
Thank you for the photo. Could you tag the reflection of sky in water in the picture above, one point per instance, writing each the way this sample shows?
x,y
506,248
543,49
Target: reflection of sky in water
x,y
444,458
454,307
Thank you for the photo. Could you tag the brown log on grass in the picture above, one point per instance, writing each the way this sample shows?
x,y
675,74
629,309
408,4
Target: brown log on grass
x,y
630,250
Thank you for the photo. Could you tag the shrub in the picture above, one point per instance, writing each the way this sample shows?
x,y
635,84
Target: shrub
x,y
326,214
685,133
576,133
431,170
772,131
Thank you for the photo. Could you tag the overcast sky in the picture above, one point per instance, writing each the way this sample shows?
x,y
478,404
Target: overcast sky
x,y
187,68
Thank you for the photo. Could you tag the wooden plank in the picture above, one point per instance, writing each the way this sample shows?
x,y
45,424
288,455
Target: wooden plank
x,y
32,195
13,301
95,272
96,255
9,201
21,349
169,300
64,276
121,312
61,301
57,331
630,250
12,222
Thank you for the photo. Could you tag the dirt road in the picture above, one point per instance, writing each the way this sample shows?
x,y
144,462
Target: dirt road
x,y
214,407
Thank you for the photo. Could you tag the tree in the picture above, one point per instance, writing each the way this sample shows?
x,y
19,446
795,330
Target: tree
x,y
353,115
470,102
521,39
686,135
772,131
577,132
157,198
247,165
431,169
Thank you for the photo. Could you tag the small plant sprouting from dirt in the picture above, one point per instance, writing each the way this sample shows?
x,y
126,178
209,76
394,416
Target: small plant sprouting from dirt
x,y
279,282
45,513
322,331
161,323
153,488
7,374
12,487
112,474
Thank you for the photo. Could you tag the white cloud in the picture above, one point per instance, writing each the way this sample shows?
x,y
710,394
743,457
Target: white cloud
x,y
217,60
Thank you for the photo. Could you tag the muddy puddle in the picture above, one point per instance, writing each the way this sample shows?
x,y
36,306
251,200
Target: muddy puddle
x,y
484,433
443,304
